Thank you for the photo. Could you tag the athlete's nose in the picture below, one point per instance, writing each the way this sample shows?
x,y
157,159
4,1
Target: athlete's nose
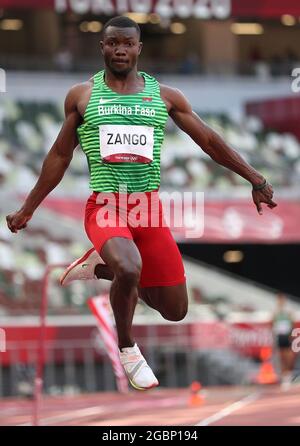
x,y
120,50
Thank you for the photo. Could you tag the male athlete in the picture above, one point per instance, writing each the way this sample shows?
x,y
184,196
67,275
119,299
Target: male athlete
x,y
118,117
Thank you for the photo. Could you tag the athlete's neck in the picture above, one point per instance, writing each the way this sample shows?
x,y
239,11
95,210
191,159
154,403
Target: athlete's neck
x,y
129,82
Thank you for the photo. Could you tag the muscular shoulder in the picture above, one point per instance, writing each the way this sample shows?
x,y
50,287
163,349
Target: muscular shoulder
x,y
78,95
174,98
77,90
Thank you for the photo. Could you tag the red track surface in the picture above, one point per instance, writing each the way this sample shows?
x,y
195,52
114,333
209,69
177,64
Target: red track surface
x,y
271,406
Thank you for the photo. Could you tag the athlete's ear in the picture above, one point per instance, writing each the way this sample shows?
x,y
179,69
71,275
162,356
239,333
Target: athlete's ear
x,y
101,46
140,47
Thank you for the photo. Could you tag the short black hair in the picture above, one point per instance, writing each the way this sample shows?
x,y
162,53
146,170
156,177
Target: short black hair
x,y
122,21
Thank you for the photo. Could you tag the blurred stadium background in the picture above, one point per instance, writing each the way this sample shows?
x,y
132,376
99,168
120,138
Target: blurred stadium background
x,y
234,61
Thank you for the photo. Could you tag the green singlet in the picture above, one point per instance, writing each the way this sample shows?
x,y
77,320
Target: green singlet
x,y
121,136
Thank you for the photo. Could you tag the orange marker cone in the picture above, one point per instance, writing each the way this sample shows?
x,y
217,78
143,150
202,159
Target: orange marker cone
x,y
196,399
266,374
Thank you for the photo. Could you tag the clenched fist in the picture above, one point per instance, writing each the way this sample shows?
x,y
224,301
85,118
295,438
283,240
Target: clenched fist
x,y
18,220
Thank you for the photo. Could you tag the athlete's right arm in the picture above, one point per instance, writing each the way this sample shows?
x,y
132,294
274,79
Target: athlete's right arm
x,y
54,165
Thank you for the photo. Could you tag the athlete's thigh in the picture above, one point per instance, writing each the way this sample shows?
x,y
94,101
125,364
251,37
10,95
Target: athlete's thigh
x,y
162,261
167,297
100,230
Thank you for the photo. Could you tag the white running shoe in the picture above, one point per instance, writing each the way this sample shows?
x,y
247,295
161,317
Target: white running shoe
x,y
82,269
136,368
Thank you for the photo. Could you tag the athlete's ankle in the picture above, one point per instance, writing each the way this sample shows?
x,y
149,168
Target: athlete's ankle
x,y
126,343
103,272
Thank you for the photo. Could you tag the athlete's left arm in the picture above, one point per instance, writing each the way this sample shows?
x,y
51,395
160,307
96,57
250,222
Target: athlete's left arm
x,y
187,120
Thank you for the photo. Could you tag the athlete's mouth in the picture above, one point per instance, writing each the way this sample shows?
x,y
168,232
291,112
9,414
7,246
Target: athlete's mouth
x,y
120,61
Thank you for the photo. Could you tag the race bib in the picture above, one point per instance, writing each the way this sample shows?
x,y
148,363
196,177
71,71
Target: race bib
x,y
283,327
126,143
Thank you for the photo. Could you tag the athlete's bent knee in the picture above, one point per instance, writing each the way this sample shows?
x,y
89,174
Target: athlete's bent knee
x,y
128,272
176,314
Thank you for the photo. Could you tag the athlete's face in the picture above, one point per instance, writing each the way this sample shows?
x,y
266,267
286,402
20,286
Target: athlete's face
x,y
120,48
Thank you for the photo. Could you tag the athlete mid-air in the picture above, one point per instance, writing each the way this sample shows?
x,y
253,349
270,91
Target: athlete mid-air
x,y
118,117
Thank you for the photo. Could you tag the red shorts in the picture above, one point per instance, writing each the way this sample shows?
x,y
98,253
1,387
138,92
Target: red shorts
x,y
110,215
